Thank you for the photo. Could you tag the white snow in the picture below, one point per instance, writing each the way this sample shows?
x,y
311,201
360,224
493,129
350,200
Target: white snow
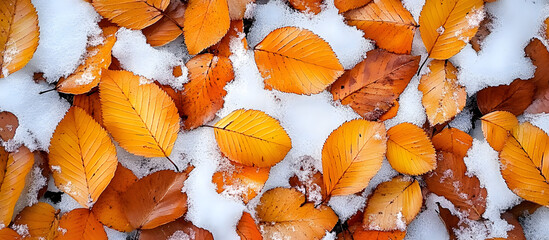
x,y
536,226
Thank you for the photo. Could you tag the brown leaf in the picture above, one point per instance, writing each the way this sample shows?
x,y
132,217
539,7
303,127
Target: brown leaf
x,y
450,221
537,51
517,233
482,33
312,184
178,229
247,228
237,8
8,125
81,224
312,6
222,48
169,27
540,103
514,98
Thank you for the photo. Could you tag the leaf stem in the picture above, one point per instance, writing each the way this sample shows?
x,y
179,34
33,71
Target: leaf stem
x,y
420,67
176,168
49,90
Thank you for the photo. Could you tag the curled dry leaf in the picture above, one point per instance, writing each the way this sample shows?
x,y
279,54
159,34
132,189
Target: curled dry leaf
x,y
247,228
156,199
352,155
8,125
240,181
312,6
514,98
87,75
447,25
140,116
9,234
237,8
296,60
346,5
409,150
284,212
178,229
537,51
223,48
19,33
90,103
391,113
82,157
393,205
482,33
132,14
252,138
386,22
169,27
522,163
496,127
81,224
109,208
372,86
41,219
206,22
14,168
311,184
443,97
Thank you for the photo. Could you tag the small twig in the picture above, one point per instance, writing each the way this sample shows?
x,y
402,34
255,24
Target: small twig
x,y
420,67
176,168
49,90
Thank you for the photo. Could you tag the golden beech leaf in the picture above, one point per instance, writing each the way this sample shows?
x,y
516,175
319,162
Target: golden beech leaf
x,y
386,22
169,27
202,96
346,5
361,233
82,157
517,233
284,212
237,8
9,234
14,168
352,155
393,205
140,116
168,231
312,6
18,35
447,25
409,150
296,60
80,223
372,86
247,228
90,103
236,30
88,74
156,199
454,141
522,163
206,22
247,181
443,97
514,98
496,127
132,14
109,208
252,138
8,125
41,219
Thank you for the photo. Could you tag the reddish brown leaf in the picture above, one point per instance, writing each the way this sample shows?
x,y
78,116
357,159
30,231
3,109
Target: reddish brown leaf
x,y
540,103
9,234
247,228
169,27
222,48
524,208
8,125
311,185
450,221
482,33
517,233
391,113
537,51
178,229
243,182
514,98
312,6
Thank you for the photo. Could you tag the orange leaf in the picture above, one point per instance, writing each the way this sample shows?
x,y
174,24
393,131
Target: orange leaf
x,y
352,155
222,48
514,98
202,96
372,86
537,51
386,22
252,138
206,22
454,141
237,8
496,127
361,233
90,103
80,223
247,228
447,25
184,229
443,97
41,220
391,113
241,181
156,199
18,35
88,74
409,150
109,208
132,14
346,5
284,212
82,157
129,114
522,163
169,27
9,234
8,125
393,205
14,168
296,60
312,6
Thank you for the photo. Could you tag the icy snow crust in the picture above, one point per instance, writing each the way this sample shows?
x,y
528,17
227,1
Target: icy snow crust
x,y
66,27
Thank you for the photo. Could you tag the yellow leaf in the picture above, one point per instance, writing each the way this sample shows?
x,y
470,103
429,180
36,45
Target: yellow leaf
x,y
205,23
132,14
393,205
18,35
447,25
283,212
41,220
496,127
352,155
443,97
386,22
296,60
80,224
252,138
14,168
82,157
409,150
140,116
522,163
